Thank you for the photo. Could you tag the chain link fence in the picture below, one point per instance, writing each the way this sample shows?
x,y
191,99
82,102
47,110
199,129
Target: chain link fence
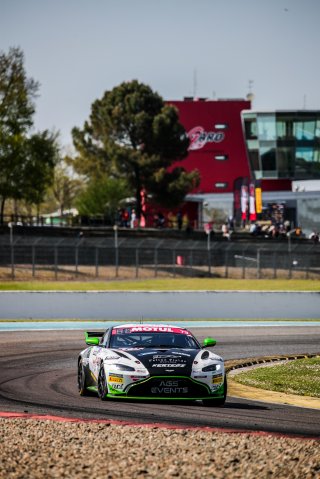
x,y
51,258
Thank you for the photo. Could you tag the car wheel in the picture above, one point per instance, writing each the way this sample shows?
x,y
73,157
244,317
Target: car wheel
x,y
217,402
82,383
102,384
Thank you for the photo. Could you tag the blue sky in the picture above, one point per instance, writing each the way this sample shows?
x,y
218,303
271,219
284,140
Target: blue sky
x,y
77,49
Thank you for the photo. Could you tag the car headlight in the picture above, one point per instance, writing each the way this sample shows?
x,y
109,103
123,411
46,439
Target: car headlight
x,y
123,367
211,367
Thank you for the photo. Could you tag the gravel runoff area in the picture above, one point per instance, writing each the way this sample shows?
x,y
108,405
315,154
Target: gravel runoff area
x,y
33,448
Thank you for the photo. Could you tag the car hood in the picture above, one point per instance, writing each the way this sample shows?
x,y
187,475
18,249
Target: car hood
x,y
166,362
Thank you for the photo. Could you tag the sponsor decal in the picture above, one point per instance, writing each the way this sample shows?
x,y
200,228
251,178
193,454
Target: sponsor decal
x,y
200,377
217,380
109,358
181,354
137,378
116,375
117,386
173,365
151,329
148,353
198,137
167,359
169,387
114,379
132,349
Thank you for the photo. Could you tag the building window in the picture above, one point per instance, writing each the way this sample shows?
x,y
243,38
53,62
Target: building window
x,y
285,162
251,129
316,163
284,144
304,130
221,157
268,162
267,127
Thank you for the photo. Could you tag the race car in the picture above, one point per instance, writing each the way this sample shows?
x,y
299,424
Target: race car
x,y
151,361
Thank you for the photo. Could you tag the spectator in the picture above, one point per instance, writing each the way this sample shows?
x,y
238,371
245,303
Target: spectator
x,y
161,220
253,229
315,237
231,223
225,231
179,220
171,220
125,217
133,219
287,226
185,221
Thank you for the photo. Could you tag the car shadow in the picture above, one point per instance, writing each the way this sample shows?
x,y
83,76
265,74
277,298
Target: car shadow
x,y
229,404
244,405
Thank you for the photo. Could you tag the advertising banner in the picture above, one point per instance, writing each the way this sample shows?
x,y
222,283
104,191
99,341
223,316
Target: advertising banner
x,y
244,201
252,203
258,200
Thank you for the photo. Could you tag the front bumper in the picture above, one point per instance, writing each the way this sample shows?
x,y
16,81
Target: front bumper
x,y
167,388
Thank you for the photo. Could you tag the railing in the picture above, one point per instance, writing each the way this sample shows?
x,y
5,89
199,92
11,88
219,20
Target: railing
x,y
41,258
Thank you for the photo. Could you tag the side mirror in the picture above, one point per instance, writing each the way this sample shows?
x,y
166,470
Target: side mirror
x,y
92,341
209,342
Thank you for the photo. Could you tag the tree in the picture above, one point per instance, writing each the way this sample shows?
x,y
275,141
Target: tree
x,y
131,133
65,186
40,157
25,161
102,197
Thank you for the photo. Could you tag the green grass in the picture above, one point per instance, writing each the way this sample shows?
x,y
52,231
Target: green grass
x,y
301,377
167,284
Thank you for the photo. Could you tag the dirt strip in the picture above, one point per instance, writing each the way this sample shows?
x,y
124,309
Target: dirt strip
x,y
38,448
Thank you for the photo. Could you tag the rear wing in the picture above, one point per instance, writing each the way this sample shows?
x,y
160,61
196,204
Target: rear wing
x,y
93,337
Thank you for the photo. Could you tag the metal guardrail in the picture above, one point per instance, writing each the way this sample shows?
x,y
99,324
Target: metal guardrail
x,y
105,258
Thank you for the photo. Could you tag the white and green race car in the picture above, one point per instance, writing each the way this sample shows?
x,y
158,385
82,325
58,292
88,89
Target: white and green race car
x,y
151,361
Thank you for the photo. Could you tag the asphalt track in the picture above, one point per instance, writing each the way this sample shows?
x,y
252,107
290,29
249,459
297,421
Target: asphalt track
x,y
38,375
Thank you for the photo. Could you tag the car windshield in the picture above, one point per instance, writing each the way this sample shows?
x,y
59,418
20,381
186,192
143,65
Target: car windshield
x,y
121,339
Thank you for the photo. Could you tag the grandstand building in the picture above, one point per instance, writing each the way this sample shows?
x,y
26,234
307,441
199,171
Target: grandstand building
x,y
241,153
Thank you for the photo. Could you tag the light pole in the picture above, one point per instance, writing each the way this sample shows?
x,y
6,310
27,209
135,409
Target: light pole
x,y
289,239
11,249
289,251
208,229
116,248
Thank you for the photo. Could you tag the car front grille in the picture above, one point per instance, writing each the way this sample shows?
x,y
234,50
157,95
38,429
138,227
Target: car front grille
x,y
168,386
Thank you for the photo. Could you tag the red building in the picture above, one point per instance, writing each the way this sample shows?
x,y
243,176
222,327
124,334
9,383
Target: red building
x,y
217,146
237,150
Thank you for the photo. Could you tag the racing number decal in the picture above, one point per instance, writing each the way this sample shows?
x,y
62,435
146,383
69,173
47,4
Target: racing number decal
x,y
94,360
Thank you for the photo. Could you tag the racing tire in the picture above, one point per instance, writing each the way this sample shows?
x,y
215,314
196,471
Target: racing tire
x,y
102,384
82,381
220,401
